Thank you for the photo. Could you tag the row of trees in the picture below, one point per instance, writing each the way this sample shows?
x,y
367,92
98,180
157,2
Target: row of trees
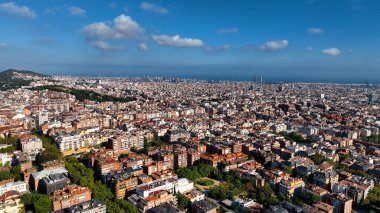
x,y
372,138
35,202
195,172
51,151
294,136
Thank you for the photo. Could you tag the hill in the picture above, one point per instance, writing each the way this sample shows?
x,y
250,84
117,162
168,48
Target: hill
x,y
13,79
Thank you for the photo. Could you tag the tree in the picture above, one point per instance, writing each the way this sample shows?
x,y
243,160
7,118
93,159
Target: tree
x,y
372,202
317,158
195,172
266,196
183,201
43,205
36,202
288,170
4,175
315,198
51,151
16,173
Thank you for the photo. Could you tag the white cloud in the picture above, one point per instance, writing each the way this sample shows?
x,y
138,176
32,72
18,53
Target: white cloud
x,y
3,45
177,41
310,48
228,30
331,51
101,45
14,9
105,46
123,27
143,47
315,30
76,11
223,48
274,45
126,27
153,8
98,30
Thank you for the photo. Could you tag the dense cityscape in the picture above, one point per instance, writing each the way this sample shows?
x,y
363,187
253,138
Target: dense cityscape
x,y
82,144
179,106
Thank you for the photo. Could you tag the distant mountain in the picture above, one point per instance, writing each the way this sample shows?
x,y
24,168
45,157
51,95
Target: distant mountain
x,y
13,79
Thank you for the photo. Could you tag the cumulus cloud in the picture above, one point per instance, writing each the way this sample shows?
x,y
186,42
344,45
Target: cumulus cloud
x,y
143,47
123,27
223,48
76,11
228,30
177,41
153,8
101,45
274,45
126,27
14,9
315,30
331,51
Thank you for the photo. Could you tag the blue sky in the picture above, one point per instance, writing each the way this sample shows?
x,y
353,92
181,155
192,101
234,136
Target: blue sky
x,y
220,39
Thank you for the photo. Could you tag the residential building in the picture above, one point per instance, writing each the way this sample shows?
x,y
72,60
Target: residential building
x,y
10,185
340,202
69,196
36,177
291,187
203,206
91,206
126,142
10,202
52,183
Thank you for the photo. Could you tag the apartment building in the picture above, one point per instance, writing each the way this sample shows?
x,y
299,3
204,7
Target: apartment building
x,y
30,144
126,142
291,187
69,142
70,196
10,185
121,183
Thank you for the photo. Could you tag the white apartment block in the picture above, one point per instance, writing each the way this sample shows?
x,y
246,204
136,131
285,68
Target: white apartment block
x,y
19,186
68,142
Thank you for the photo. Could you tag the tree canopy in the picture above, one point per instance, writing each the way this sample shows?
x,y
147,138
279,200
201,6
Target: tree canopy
x,y
38,203
195,172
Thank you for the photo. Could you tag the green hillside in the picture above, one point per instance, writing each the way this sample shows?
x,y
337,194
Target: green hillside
x,y
8,79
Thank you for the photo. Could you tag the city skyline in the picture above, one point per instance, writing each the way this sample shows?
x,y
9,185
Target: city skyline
x,y
301,40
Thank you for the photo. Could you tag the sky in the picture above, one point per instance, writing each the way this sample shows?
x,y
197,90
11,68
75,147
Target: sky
x,y
292,40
